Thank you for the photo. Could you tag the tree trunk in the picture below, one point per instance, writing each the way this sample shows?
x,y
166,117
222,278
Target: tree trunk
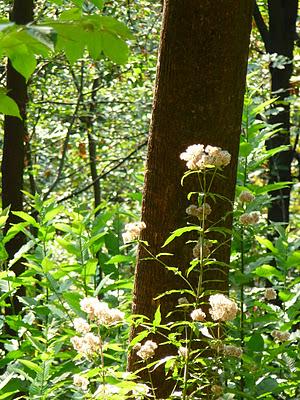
x,y
279,38
282,28
13,146
198,99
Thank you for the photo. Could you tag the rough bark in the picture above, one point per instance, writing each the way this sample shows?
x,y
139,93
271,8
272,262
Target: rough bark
x,y
198,99
13,146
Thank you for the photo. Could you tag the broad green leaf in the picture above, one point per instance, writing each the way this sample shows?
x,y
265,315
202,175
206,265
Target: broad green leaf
x,y
268,271
114,48
98,3
77,3
256,342
23,60
110,24
94,44
44,34
245,149
8,106
267,243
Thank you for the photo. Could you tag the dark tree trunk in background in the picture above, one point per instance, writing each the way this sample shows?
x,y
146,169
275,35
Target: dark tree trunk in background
x,y
198,99
279,38
13,146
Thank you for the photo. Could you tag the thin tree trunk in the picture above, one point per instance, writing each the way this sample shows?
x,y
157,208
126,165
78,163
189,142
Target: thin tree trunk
x,y
279,38
198,99
282,28
13,147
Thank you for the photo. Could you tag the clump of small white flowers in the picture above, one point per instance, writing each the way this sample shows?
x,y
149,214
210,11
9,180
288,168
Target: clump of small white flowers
x,y
106,390
217,390
202,249
280,336
270,294
233,351
249,218
183,301
198,315
80,382
246,197
183,352
200,212
147,350
200,158
87,345
222,308
2,353
81,325
133,231
99,311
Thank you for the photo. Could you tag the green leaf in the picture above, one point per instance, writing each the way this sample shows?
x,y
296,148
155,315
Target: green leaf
x,y
179,232
73,300
256,342
268,271
8,106
271,187
98,3
267,385
31,365
245,149
267,243
114,48
22,60
157,317
26,217
142,335
43,34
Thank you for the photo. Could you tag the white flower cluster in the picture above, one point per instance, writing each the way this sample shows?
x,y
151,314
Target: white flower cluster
x,y
80,381
200,212
87,345
270,294
100,312
222,308
233,351
183,352
81,325
204,249
198,315
133,231
249,218
147,350
183,301
200,158
246,197
280,336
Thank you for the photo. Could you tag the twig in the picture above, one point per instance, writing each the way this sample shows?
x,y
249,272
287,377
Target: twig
x,y
75,193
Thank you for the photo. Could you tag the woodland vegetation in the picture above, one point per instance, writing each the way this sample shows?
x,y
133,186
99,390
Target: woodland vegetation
x,y
150,168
